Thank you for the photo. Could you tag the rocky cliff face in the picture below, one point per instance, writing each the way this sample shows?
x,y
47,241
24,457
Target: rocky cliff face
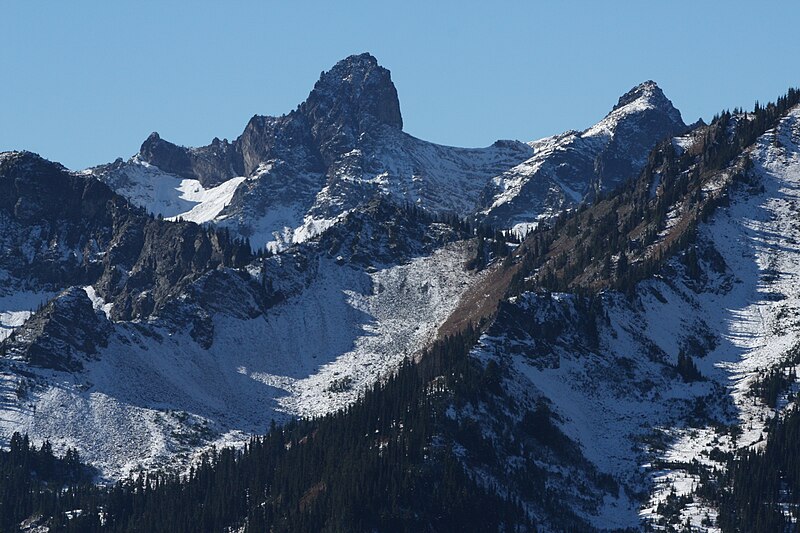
x,y
61,229
354,98
211,165
53,223
642,117
62,336
114,320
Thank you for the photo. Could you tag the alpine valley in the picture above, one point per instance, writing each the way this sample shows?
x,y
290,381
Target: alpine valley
x,y
328,324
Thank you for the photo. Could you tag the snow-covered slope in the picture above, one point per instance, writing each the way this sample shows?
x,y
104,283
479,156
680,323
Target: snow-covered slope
x,y
154,397
616,389
166,194
279,205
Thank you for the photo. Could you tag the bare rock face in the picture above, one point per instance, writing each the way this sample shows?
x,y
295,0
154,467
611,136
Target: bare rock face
x,y
52,223
211,164
167,156
151,263
37,190
380,232
357,92
353,98
60,230
62,335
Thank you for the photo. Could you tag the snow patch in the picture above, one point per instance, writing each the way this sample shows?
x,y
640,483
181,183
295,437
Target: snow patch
x,y
170,196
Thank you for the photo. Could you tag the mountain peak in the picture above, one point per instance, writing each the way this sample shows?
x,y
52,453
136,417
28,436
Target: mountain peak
x,y
165,155
357,89
648,91
25,163
364,60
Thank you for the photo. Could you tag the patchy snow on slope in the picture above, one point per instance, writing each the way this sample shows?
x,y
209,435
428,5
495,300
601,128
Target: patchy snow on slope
x,y
208,202
607,126
97,301
442,178
510,182
282,226
407,305
563,167
632,414
155,398
642,98
683,143
281,206
758,238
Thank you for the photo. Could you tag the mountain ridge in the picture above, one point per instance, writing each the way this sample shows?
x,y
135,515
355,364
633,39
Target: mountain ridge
x,y
344,144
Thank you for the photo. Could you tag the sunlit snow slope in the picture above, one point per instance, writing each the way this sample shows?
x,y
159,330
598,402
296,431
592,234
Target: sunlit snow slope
x,y
171,196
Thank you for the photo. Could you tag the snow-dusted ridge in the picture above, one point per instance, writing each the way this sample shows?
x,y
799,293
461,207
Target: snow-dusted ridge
x,y
511,184
622,401
570,168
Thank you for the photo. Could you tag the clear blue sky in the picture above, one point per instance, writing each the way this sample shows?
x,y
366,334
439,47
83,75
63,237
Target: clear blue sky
x,y
85,82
